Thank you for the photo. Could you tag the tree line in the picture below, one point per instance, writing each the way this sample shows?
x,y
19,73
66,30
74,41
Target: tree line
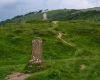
x,y
73,15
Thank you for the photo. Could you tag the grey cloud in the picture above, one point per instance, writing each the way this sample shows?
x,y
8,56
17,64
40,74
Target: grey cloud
x,y
12,6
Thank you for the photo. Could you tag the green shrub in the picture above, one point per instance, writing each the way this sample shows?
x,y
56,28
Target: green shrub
x,y
36,67
10,36
96,38
86,31
18,31
38,21
83,52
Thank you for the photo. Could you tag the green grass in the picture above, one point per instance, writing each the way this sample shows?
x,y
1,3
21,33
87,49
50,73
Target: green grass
x,y
69,69
83,34
62,61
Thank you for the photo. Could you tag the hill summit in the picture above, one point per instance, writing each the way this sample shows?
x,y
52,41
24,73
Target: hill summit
x,y
91,14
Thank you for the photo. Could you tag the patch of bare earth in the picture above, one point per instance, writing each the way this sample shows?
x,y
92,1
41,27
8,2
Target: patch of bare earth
x,y
82,67
17,76
54,22
59,35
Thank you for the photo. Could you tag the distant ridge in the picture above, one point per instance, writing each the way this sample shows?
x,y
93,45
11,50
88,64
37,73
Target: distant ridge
x,y
58,15
91,9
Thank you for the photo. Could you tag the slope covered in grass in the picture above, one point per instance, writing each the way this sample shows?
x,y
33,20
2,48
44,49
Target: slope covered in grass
x,y
83,34
39,16
62,61
69,69
77,15
35,16
15,44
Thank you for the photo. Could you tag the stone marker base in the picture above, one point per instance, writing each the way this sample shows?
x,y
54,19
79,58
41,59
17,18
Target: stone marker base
x,y
46,20
34,61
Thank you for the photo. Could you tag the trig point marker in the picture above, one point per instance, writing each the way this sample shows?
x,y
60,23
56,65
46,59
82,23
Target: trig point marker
x,y
36,50
45,17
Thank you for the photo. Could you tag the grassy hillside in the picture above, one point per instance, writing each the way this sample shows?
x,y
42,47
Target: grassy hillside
x,y
62,61
53,12
40,15
67,14
59,15
62,16
77,15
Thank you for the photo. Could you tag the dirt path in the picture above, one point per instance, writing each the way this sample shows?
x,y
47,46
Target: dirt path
x,y
60,35
53,27
54,22
17,76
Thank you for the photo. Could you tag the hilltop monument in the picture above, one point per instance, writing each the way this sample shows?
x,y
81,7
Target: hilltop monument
x,y
45,17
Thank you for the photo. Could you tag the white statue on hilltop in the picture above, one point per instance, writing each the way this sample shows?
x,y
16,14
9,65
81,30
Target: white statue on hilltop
x,y
44,15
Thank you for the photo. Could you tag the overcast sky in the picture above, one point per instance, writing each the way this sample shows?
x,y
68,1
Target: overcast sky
x,y
11,8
